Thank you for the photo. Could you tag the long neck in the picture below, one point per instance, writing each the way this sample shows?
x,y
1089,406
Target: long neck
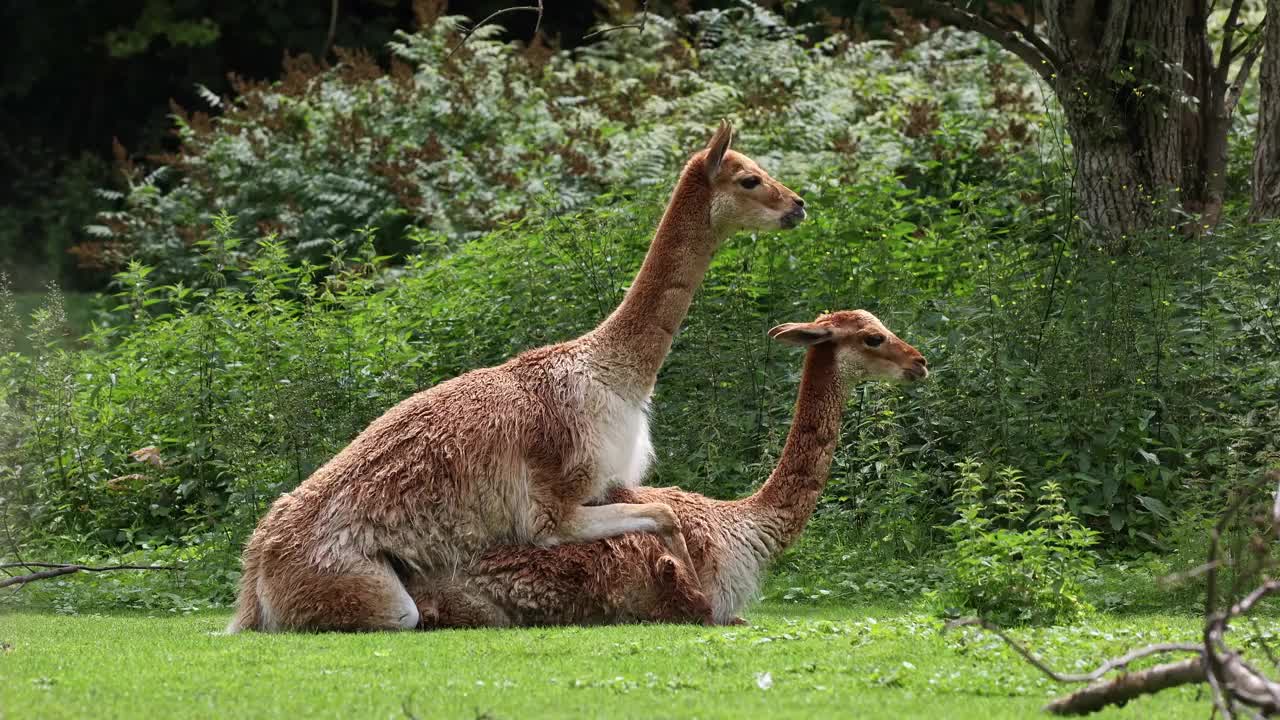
x,y
638,335
785,502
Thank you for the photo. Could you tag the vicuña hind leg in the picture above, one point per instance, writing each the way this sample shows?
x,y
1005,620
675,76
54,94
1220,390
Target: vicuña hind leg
x,y
679,597
367,596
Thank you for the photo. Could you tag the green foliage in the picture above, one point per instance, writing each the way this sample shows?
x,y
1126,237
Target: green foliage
x,y
284,291
247,382
461,143
157,21
1010,562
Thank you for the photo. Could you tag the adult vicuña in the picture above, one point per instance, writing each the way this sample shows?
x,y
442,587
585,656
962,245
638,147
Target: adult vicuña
x,y
508,454
632,578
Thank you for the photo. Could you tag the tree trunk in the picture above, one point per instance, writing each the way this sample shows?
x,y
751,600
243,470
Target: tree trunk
x,y
1147,104
1266,151
1108,178
1124,128
1201,118
1207,121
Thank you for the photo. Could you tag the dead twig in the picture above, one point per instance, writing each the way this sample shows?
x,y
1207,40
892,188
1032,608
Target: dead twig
x,y
1103,669
644,18
520,8
57,569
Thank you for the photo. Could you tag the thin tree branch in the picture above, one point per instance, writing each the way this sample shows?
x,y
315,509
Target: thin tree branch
x,y
21,580
1215,539
1228,31
1236,686
333,29
1237,89
1045,65
467,35
1103,669
1222,673
1114,31
1028,33
1249,39
90,568
1246,604
644,18
57,569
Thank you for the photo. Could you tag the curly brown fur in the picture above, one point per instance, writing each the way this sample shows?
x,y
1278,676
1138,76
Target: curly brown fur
x,y
508,454
632,578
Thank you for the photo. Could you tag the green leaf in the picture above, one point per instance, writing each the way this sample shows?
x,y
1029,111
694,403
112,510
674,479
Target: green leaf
x,y
1155,506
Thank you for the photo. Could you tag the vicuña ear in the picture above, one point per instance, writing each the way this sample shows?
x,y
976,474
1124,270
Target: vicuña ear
x,y
716,149
801,333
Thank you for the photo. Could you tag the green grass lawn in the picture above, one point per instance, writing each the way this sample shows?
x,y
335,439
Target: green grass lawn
x,y
834,661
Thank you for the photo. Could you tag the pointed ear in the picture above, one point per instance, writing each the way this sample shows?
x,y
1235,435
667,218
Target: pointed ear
x,y
801,333
718,146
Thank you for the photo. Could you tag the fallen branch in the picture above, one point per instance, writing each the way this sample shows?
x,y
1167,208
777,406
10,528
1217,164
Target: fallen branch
x,y
1128,686
1235,685
1245,683
57,569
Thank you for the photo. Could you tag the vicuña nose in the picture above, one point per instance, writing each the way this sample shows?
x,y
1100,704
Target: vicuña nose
x,y
799,201
921,361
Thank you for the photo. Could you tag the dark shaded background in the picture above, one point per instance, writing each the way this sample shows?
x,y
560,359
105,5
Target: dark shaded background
x,y
80,75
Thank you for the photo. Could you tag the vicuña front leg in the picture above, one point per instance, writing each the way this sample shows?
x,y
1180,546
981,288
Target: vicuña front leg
x,y
597,522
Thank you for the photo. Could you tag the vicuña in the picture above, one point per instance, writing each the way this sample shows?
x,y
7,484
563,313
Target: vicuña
x,y
508,454
634,578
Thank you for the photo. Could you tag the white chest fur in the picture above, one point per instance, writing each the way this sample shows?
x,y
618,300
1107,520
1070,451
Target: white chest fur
x,y
621,446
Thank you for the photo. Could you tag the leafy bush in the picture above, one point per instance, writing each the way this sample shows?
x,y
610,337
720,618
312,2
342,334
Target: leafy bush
x,y
458,144
247,383
1010,564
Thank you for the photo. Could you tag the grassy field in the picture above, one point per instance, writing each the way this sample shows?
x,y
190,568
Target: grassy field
x,y
793,661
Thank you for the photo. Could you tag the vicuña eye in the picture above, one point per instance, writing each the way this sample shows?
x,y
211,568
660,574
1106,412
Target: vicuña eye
x,y
874,340
749,182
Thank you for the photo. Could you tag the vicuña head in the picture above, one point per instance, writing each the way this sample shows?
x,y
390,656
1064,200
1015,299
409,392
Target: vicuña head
x,y
865,348
743,196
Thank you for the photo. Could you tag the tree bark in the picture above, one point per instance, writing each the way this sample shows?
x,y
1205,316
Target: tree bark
x,y
1119,66
1266,151
1207,121
1148,100
1110,181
